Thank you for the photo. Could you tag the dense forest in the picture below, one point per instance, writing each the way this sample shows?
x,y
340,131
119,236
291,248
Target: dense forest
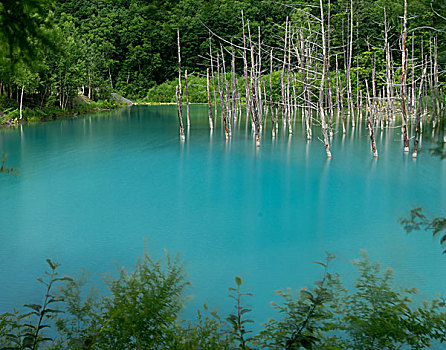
x,y
53,50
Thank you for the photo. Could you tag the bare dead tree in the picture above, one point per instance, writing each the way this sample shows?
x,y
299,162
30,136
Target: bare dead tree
x,y
403,82
179,95
211,125
369,122
321,93
222,103
187,98
418,116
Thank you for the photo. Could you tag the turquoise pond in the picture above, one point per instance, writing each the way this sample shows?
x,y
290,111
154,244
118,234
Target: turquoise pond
x,y
93,190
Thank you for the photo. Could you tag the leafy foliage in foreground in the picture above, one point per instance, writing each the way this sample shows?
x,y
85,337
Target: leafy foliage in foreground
x,y
24,330
418,221
141,311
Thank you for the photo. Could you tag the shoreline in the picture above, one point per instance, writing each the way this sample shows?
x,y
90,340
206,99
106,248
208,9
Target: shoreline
x,y
67,114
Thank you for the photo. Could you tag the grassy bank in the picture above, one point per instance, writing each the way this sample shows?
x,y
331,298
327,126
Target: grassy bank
x,y
10,113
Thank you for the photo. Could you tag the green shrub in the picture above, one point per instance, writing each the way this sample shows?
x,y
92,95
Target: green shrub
x,y
7,103
26,330
141,311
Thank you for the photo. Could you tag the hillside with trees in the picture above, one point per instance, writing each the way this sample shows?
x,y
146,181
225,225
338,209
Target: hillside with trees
x,y
55,50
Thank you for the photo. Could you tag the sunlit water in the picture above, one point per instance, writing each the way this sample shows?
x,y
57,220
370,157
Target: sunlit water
x,y
93,189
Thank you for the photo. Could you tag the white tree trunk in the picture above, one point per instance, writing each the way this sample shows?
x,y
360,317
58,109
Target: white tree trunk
x,y
21,102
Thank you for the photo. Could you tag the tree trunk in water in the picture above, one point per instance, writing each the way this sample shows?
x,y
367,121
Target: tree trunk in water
x,y
403,83
287,101
282,76
388,75
306,62
349,66
413,102
369,123
273,132
435,78
211,125
258,85
418,116
321,92
226,85
341,96
180,114
330,97
245,70
21,102
179,90
220,92
213,80
254,112
233,88
431,85
187,98
239,99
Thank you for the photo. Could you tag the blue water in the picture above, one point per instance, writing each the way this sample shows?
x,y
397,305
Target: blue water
x,y
93,189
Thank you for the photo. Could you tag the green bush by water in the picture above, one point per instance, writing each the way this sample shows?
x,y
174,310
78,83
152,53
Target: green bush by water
x,y
142,306
11,115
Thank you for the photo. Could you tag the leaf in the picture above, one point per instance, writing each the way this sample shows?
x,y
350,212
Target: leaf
x,y
41,281
307,294
35,307
319,263
79,343
28,341
22,316
66,278
55,300
53,266
238,281
51,311
214,313
307,342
